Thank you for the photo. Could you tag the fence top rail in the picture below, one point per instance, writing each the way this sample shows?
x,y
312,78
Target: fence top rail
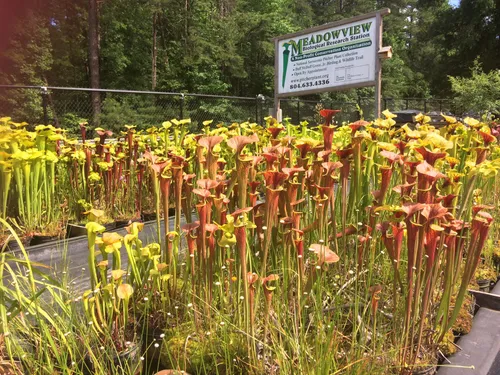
x,y
183,95
295,100
362,99
423,99
86,89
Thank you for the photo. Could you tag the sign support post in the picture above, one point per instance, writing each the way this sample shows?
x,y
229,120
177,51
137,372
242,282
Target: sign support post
x,y
276,103
336,56
378,68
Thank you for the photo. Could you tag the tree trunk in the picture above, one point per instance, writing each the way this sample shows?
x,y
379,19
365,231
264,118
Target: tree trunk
x,y
94,59
186,18
154,54
221,8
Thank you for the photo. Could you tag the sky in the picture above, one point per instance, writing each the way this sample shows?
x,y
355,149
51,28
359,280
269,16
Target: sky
x,y
454,2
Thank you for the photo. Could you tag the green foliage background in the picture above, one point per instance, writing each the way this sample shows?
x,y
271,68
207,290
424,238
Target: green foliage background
x,y
224,46
480,92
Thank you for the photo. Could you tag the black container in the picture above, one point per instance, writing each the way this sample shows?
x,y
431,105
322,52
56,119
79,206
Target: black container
x,y
125,361
484,285
121,223
12,245
148,216
150,337
124,223
110,226
75,230
39,239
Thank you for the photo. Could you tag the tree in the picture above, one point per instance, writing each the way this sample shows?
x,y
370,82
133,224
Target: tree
x,y
28,61
154,52
93,19
480,93
477,34
225,46
67,28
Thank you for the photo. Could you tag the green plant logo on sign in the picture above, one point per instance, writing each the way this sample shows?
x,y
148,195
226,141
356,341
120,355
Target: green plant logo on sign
x,y
286,56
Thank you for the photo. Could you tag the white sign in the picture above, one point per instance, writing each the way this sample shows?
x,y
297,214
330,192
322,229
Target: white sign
x,y
327,58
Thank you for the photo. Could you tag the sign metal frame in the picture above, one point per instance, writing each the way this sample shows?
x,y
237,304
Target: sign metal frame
x,y
377,81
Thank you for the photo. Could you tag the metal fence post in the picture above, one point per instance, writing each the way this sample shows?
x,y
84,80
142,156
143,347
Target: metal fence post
x,y
45,103
257,108
260,100
181,113
298,111
263,106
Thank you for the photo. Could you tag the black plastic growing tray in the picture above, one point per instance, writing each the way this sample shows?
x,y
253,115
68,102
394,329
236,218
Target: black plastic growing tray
x,y
480,348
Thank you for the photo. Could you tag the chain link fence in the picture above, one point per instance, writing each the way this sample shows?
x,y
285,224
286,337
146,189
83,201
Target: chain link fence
x,y
424,105
67,107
